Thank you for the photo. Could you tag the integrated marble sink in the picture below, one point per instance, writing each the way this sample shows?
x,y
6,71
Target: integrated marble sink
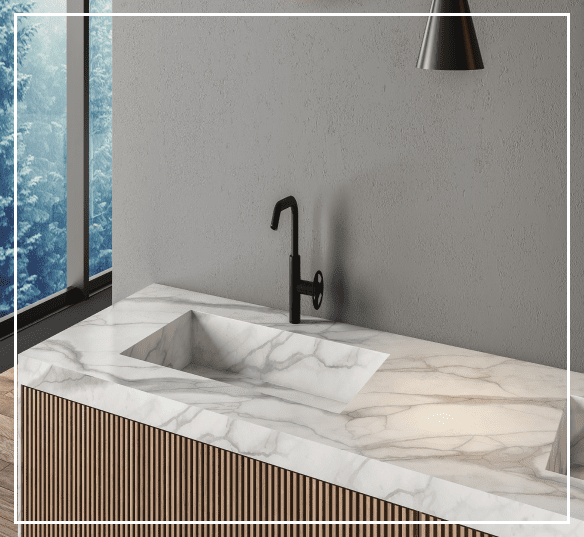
x,y
558,461
296,367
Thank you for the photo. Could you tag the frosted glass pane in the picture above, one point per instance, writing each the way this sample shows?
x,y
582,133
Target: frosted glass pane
x,y
6,162
100,138
42,154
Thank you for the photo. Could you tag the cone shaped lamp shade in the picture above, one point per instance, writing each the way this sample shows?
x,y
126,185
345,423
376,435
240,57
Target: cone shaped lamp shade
x,y
450,43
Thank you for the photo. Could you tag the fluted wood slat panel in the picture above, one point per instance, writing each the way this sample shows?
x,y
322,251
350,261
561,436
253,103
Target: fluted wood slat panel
x,y
232,530
446,530
247,530
80,463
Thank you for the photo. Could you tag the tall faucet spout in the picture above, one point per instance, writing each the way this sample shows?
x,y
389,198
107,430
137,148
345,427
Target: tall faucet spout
x,y
289,202
297,286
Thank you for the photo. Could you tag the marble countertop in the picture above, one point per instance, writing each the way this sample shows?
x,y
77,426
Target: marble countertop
x,y
454,433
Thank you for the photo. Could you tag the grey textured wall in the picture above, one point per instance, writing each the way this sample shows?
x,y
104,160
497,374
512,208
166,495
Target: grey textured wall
x,y
433,202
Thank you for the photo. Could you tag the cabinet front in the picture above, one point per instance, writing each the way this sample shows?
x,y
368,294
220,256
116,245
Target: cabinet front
x,y
83,464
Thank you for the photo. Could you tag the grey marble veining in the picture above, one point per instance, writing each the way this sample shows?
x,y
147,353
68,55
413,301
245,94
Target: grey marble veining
x,y
206,344
454,433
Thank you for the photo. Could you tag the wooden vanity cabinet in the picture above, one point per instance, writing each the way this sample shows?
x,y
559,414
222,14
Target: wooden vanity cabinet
x,y
83,464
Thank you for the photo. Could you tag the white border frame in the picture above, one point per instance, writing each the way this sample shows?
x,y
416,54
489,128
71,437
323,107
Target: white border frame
x,y
568,146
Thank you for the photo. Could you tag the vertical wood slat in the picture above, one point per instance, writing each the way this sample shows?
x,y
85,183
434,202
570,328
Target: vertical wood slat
x,y
80,463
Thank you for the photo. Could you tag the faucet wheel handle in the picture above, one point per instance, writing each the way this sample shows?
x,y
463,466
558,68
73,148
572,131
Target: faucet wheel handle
x,y
317,290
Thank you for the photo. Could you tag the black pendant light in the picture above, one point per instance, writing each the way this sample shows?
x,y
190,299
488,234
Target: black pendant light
x,y
450,43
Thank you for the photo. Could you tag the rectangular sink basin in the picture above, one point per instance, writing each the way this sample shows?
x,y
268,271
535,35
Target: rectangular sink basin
x,y
558,457
314,371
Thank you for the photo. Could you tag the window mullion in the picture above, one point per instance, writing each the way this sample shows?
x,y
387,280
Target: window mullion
x,y
78,148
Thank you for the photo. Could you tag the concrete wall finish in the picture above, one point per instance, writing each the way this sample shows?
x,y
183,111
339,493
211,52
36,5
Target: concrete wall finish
x,y
433,202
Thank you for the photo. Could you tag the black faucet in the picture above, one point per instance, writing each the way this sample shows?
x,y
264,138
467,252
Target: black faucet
x,y
298,286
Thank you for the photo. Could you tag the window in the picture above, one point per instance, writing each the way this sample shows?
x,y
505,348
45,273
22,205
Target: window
x,y
43,256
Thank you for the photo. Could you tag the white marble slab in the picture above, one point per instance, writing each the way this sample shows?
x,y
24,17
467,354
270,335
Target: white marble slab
x,y
458,434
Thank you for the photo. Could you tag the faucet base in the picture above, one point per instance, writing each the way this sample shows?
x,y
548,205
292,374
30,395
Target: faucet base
x,y
294,316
